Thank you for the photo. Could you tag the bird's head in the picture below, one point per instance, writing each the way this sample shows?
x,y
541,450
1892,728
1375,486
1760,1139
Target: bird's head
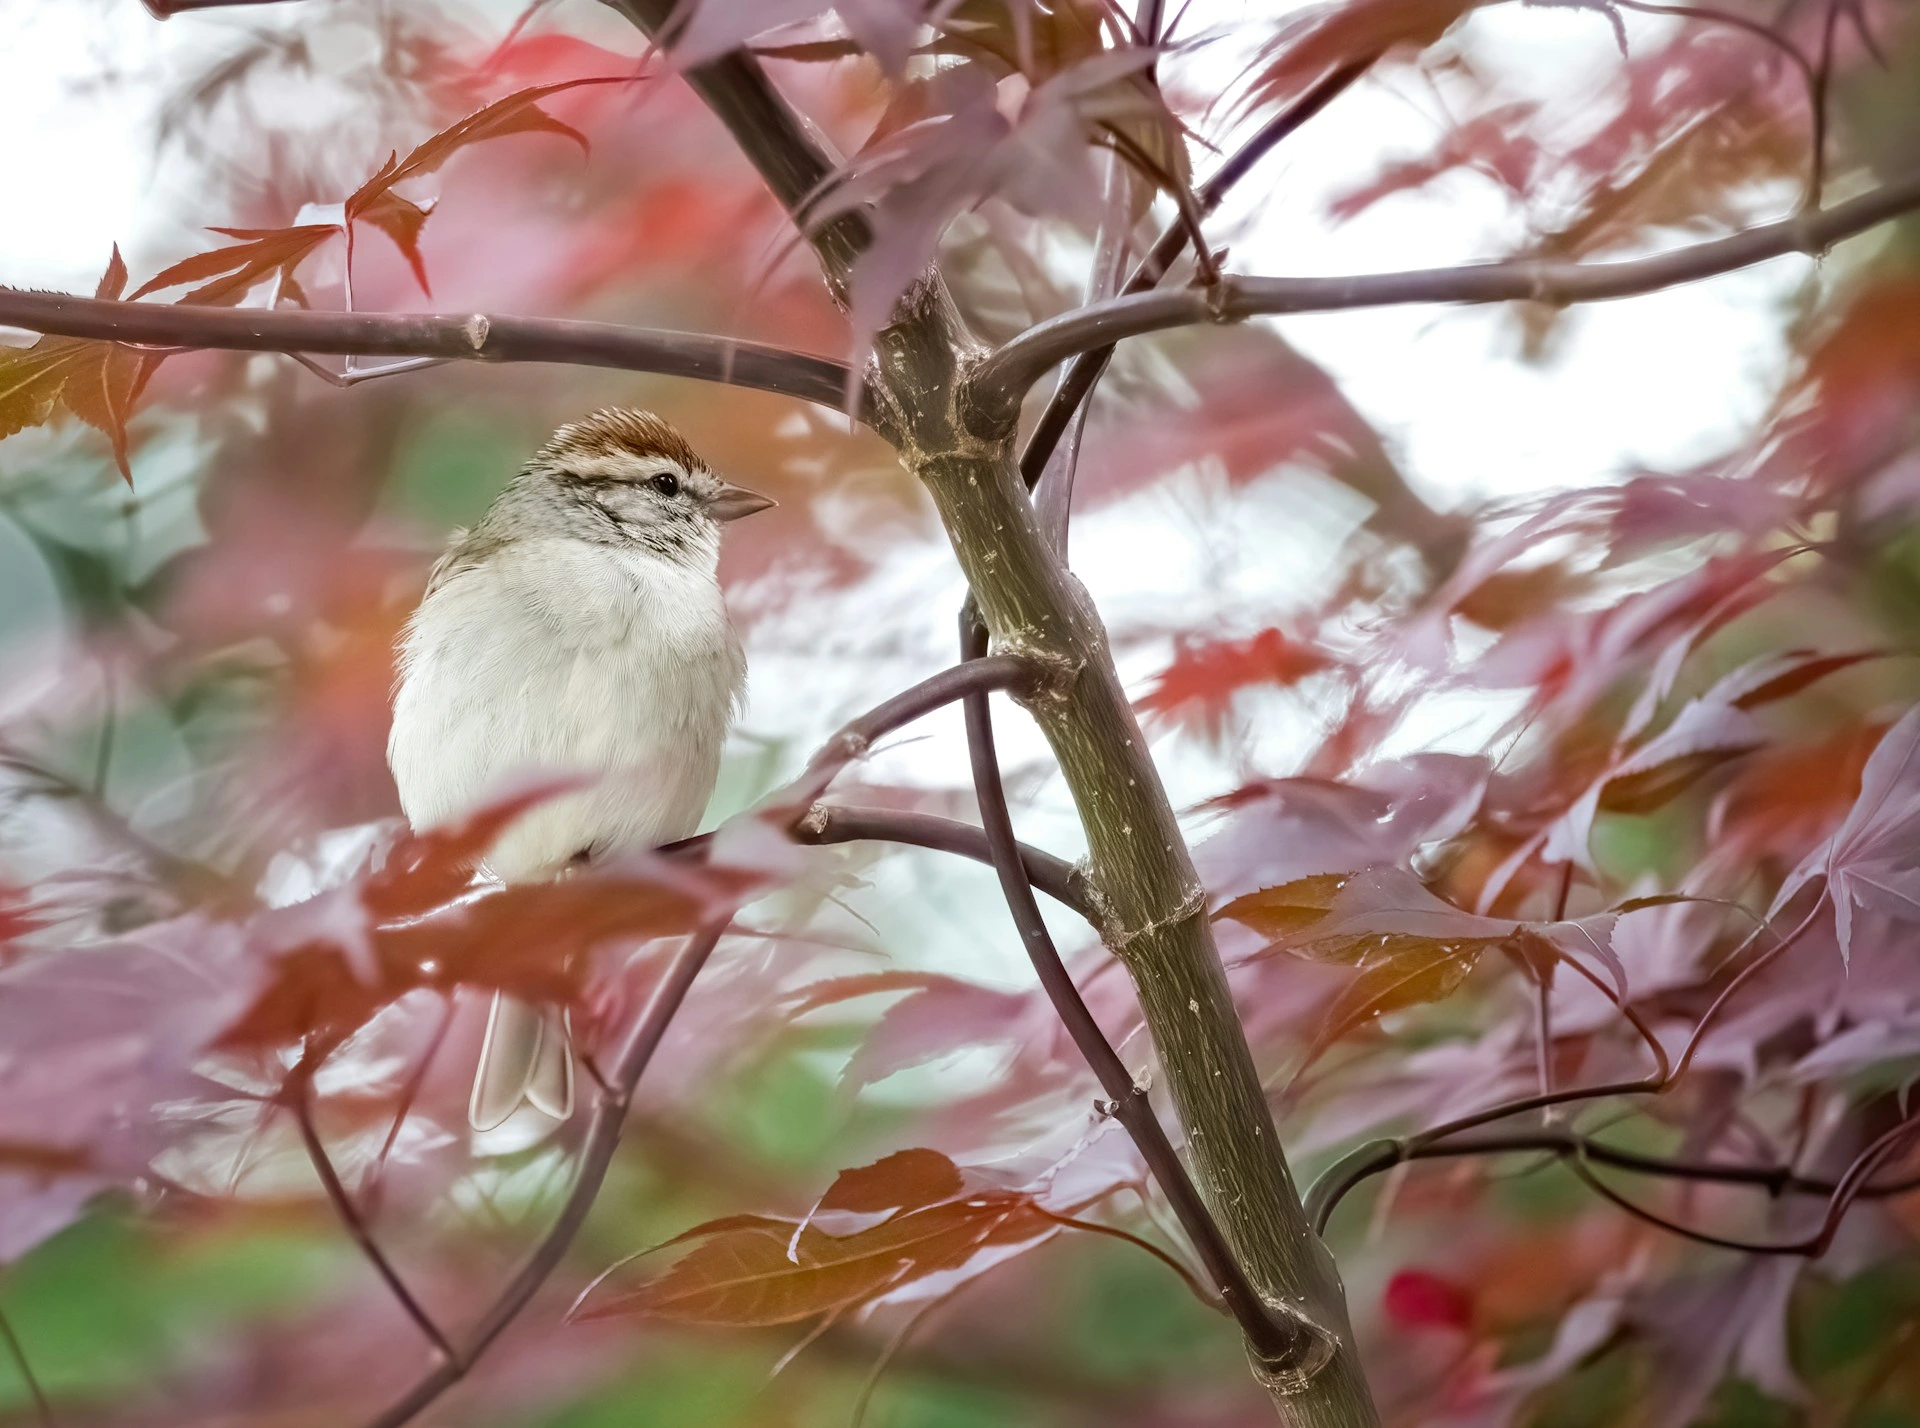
x,y
626,478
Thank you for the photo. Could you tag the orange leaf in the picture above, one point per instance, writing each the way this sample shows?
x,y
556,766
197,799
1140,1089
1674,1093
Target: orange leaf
x,y
238,267
1315,42
402,219
905,1180
1409,972
742,1275
1281,911
94,381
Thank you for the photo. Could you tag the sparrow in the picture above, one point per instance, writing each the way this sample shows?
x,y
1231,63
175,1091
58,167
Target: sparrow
x,y
578,629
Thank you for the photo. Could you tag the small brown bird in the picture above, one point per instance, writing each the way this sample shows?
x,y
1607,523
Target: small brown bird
x,y
578,628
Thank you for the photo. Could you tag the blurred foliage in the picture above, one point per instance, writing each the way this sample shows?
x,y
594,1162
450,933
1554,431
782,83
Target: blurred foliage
x,y
1530,712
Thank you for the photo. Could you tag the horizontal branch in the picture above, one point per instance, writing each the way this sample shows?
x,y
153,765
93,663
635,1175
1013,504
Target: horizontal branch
x,y
830,823
835,823
472,337
998,384
1377,1157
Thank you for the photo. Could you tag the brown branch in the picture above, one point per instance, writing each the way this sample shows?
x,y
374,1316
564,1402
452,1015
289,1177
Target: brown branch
x,y
835,823
1001,672
1081,378
999,382
299,1095
472,337
789,154
1280,1339
163,9
602,1139
1378,1157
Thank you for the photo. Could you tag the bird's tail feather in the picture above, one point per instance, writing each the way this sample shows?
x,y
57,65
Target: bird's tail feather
x,y
527,1058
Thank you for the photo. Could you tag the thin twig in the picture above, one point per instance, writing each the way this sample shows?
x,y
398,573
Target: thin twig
x,y
1740,979
1819,88
1380,1156
1277,1338
300,1100
1002,379
1081,378
353,377
42,1407
408,1094
997,672
164,9
835,823
596,1154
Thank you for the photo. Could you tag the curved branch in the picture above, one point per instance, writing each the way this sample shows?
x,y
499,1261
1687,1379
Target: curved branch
x,y
1377,1157
1285,1341
603,1137
472,337
300,1096
998,383
979,676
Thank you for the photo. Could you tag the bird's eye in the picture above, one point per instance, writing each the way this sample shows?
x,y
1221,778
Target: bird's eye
x,y
666,483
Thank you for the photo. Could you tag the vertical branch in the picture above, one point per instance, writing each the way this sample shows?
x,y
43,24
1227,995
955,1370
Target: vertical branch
x,y
1140,875
1275,1337
300,1096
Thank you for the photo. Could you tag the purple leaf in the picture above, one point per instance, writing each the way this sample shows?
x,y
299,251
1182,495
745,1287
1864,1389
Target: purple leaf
x,y
1870,859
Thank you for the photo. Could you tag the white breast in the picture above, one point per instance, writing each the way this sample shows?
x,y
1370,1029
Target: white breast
x,y
561,657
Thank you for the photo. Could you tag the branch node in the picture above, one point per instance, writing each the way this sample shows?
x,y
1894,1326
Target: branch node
x,y
1313,1349
1052,672
1192,905
1218,298
814,821
1807,233
476,328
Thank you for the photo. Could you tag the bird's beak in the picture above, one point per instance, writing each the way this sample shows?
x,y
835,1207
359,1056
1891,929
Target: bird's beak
x,y
733,502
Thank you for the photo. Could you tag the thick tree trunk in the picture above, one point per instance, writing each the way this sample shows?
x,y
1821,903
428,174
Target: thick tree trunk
x,y
1151,905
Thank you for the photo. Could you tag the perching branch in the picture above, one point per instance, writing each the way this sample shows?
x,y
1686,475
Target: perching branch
x,y
1275,1335
998,384
602,1138
472,337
